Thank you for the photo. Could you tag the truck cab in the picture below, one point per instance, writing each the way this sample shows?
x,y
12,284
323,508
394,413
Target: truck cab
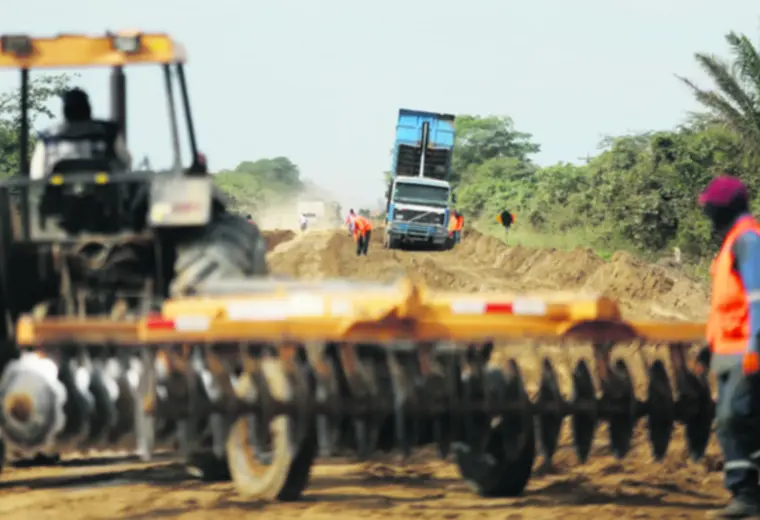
x,y
419,195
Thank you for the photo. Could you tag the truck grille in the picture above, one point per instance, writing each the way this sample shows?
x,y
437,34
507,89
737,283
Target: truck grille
x,y
405,215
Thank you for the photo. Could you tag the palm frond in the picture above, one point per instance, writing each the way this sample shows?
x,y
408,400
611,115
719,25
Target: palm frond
x,y
720,72
746,61
732,117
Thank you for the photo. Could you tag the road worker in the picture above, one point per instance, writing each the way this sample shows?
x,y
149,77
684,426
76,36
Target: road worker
x,y
362,234
733,333
453,225
456,222
79,138
460,226
506,219
349,222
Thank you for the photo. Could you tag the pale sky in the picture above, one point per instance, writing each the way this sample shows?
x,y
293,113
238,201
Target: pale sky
x,y
321,81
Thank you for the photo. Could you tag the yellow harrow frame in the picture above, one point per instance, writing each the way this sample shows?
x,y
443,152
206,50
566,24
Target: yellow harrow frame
x,y
264,376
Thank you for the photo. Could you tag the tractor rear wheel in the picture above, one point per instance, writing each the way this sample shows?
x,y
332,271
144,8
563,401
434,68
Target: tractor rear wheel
x,y
229,247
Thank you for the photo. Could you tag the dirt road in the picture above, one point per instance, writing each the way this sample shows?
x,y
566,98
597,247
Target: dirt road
x,y
341,490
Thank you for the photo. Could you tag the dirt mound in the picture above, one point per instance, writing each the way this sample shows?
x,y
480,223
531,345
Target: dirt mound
x,y
275,237
625,277
482,263
483,247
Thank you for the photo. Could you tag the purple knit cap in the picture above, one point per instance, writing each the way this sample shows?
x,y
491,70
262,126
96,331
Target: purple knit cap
x,y
723,190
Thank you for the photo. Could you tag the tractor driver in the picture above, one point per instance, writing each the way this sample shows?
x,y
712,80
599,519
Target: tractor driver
x,y
78,137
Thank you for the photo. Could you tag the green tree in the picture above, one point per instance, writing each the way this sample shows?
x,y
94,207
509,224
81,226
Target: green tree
x,y
492,169
251,183
41,91
479,139
496,184
279,171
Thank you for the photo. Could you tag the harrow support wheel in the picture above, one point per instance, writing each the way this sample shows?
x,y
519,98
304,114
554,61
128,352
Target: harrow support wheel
x,y
283,472
229,247
504,466
208,467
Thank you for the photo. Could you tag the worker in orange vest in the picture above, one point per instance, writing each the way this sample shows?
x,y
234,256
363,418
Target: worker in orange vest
x,y
456,222
733,333
453,225
362,234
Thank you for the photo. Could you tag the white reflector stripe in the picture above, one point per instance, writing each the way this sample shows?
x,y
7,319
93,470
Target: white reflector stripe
x,y
303,306
468,307
529,307
191,323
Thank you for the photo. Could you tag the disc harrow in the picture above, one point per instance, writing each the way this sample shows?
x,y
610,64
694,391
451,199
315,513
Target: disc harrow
x,y
254,380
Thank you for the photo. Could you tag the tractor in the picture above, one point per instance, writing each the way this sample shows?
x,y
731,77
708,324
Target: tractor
x,y
93,238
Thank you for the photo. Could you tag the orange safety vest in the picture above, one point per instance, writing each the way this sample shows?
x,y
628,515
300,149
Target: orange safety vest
x,y
361,226
452,223
460,222
728,331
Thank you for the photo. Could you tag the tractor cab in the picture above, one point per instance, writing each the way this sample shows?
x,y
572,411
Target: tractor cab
x,y
60,226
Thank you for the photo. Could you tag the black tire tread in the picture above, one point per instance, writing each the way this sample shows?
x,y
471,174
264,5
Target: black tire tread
x,y
229,247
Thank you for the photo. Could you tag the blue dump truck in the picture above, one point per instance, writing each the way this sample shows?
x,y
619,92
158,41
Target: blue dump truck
x,y
419,194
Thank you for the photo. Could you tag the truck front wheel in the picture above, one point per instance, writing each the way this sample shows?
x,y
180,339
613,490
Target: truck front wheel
x,y
391,241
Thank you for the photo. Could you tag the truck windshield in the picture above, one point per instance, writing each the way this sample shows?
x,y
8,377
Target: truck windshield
x,y
421,194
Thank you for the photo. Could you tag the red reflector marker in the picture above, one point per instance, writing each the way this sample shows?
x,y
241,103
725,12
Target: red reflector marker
x,y
159,323
499,308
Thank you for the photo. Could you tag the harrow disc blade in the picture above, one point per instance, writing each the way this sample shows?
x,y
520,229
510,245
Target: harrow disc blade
x,y
125,405
699,425
661,410
623,416
518,425
551,410
370,431
327,393
77,407
584,419
435,425
33,404
407,423
104,415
